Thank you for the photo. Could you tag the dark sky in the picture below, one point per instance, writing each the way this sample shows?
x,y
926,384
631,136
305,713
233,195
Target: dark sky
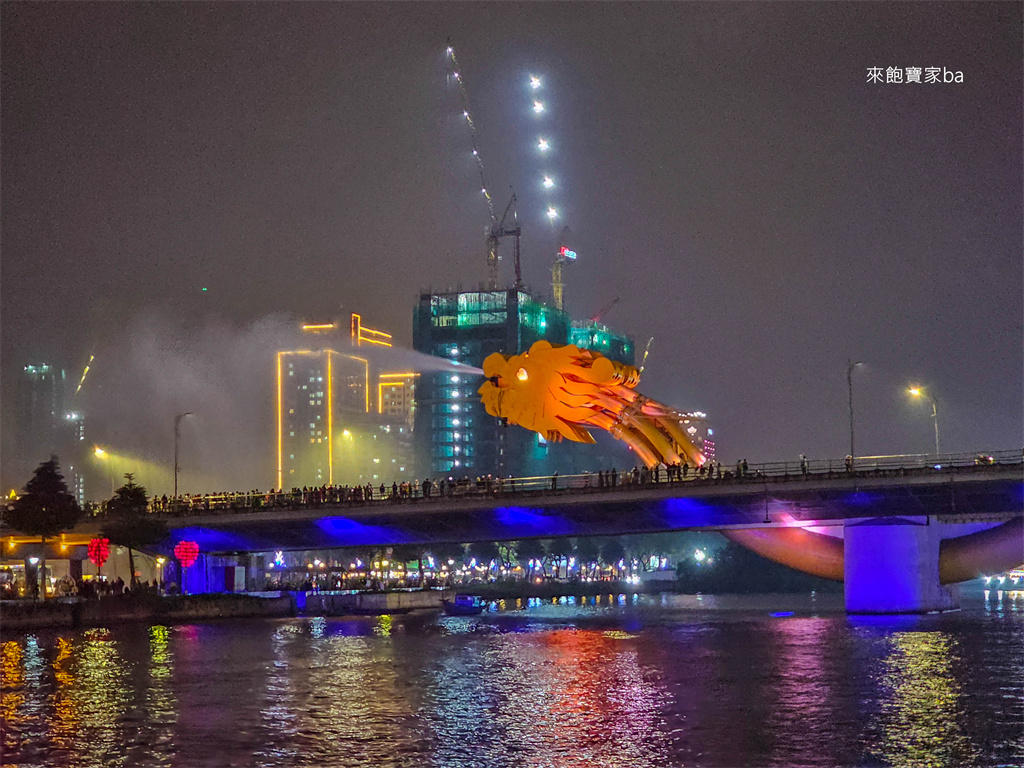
x,y
727,171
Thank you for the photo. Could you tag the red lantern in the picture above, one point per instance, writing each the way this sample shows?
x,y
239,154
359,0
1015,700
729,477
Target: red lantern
x,y
99,551
186,552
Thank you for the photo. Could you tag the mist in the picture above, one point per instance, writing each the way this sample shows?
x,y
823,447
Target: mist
x,y
222,373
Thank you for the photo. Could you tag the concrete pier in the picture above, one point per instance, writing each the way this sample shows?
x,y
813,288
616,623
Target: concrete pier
x,y
891,565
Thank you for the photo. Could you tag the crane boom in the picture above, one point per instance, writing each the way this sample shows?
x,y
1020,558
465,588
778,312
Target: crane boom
x,y
604,310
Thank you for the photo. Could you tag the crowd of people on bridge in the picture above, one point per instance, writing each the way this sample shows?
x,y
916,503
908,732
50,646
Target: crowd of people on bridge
x,y
482,486
427,489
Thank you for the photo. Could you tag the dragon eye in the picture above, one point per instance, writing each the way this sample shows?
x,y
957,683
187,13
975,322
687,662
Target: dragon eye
x,y
521,374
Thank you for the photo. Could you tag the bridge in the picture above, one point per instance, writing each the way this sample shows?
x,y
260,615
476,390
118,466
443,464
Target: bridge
x,y
895,531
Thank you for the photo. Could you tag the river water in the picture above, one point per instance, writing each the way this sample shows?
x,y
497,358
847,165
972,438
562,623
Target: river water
x,y
613,681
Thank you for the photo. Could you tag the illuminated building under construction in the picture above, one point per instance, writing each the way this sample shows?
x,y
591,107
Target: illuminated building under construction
x,y
464,327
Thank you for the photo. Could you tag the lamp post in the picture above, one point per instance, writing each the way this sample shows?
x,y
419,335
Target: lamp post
x,y
850,365
177,423
917,391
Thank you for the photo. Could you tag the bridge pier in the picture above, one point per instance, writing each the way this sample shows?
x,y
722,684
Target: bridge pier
x,y
891,565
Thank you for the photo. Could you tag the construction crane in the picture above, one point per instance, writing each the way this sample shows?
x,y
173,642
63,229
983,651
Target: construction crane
x,y
494,233
604,310
496,229
562,256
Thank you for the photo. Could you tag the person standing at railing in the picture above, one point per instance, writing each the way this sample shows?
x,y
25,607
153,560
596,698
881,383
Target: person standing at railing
x,y
554,481
803,464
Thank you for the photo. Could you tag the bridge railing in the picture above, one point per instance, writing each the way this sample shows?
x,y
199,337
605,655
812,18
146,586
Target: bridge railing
x,y
586,482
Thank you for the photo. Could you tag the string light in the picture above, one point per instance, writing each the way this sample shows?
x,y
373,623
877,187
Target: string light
x,y
472,129
552,213
538,107
534,81
548,183
542,145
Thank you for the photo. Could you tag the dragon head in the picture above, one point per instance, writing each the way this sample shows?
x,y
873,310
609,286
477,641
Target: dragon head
x,y
551,390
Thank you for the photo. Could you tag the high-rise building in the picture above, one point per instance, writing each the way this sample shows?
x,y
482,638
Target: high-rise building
x,y
320,393
339,420
456,434
41,412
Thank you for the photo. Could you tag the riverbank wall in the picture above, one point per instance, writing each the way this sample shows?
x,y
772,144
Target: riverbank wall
x,y
22,615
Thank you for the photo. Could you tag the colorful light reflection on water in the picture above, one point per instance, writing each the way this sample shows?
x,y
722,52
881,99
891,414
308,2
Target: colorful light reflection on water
x,y
571,682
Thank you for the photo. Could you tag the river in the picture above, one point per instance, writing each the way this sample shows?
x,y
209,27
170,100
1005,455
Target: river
x,y
634,681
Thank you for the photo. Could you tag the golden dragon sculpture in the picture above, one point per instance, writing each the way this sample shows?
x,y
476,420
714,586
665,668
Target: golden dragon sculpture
x,y
560,392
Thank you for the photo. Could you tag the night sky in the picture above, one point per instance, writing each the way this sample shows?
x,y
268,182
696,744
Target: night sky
x,y
726,170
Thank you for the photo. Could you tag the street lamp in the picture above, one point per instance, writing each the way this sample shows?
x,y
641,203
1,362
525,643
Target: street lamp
x,y
917,391
177,423
849,384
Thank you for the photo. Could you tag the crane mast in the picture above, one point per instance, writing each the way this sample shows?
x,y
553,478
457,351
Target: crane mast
x,y
494,233
563,256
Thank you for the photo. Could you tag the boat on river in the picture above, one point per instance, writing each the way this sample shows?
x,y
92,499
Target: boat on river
x,y
464,605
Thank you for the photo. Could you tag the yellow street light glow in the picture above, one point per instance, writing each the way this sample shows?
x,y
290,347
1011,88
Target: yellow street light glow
x,y
915,391
330,421
346,433
100,453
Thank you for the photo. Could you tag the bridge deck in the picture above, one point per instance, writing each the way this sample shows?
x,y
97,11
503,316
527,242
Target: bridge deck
x,y
982,493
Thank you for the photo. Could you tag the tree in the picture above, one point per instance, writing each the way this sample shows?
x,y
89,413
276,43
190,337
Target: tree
x,y
531,552
449,556
612,553
485,552
588,552
45,509
132,526
559,549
